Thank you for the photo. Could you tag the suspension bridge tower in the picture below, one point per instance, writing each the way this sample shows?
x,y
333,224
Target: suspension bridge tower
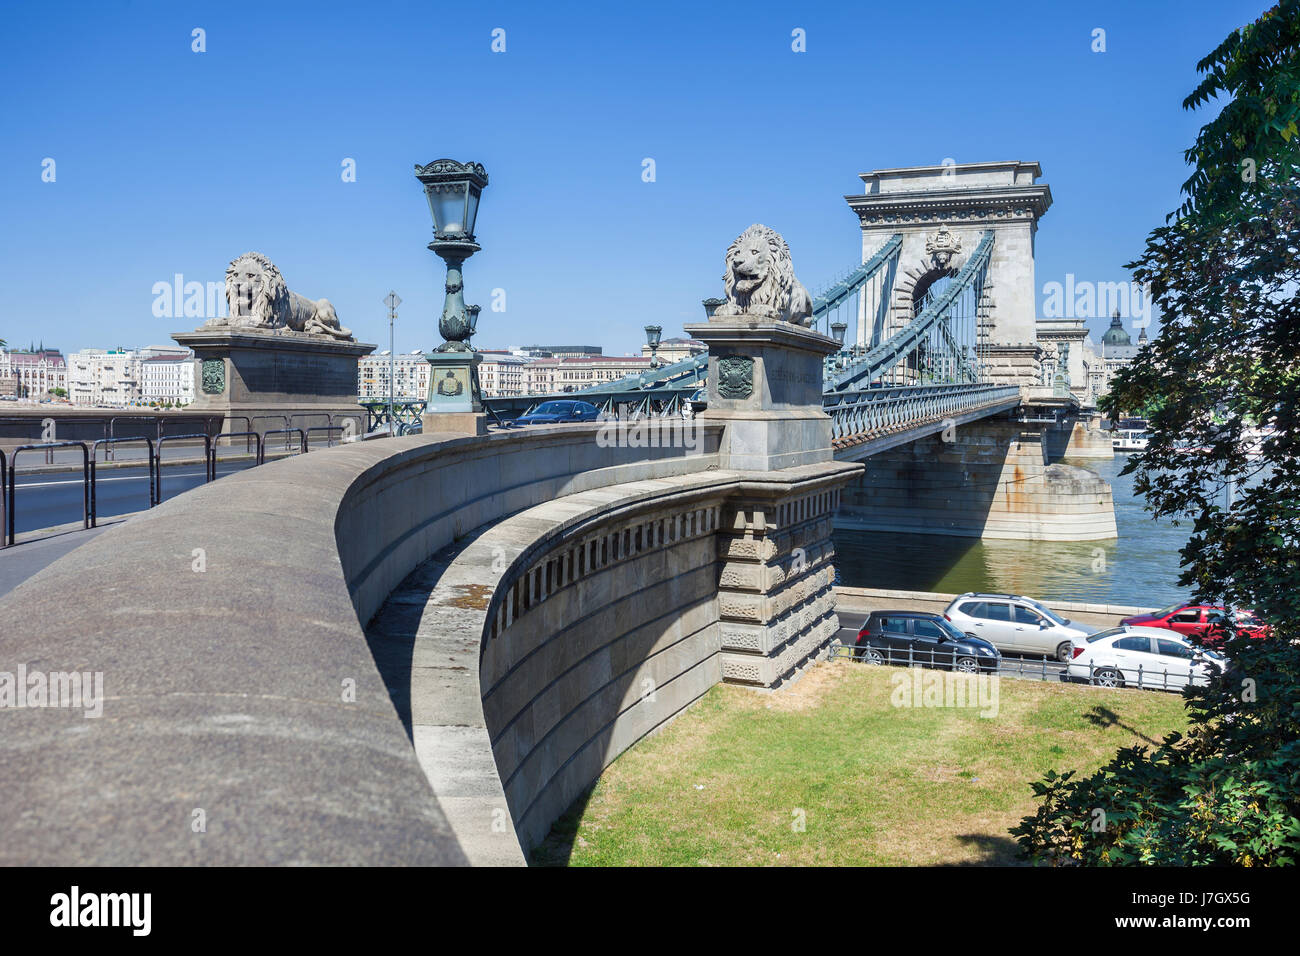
x,y
943,214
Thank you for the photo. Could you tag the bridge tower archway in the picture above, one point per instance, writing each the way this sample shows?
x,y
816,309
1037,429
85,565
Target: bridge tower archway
x,y
941,213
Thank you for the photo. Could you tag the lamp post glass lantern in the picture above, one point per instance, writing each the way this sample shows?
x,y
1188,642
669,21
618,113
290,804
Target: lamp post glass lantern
x,y
453,190
652,336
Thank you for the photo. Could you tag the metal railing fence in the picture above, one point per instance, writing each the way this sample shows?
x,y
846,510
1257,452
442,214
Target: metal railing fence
x,y
296,441
1041,668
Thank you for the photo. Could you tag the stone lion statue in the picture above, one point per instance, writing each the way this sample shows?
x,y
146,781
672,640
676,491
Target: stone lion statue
x,y
258,298
760,279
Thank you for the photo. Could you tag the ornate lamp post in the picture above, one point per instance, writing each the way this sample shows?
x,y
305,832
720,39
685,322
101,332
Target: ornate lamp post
x,y
652,334
837,330
453,190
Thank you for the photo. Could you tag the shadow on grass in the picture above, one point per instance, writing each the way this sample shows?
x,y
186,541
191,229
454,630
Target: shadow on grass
x,y
1104,717
989,850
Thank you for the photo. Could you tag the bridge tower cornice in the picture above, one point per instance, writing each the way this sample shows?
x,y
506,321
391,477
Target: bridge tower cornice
x,y
924,207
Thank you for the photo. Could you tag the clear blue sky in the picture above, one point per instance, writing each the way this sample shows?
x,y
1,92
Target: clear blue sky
x,y
170,161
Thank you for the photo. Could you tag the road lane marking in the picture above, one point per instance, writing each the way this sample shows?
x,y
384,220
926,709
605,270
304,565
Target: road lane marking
x,y
80,481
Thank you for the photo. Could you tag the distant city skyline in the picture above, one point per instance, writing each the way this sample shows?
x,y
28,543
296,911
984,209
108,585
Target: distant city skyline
x,y
131,158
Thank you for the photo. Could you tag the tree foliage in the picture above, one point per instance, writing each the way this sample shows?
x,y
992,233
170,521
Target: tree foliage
x,y
1225,273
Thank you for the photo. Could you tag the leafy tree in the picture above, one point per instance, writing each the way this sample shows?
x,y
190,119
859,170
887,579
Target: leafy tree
x,y
1225,272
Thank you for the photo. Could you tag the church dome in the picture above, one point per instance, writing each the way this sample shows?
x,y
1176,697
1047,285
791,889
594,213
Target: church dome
x,y
1115,335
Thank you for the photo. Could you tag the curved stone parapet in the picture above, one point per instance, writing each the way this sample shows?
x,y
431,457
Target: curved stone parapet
x,y
541,647
244,720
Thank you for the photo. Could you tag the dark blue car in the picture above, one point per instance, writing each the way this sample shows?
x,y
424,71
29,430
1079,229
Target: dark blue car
x,y
553,413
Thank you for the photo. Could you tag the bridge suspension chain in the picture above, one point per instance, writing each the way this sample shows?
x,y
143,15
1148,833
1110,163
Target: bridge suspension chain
x,y
947,324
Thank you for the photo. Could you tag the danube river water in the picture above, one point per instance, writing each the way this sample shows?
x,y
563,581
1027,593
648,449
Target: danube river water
x,y
1140,567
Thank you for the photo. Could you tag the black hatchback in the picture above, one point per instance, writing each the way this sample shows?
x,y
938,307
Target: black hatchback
x,y
927,640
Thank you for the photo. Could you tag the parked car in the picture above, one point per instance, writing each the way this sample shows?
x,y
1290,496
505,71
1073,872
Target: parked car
x,y
1136,656
553,413
916,637
1209,622
1012,622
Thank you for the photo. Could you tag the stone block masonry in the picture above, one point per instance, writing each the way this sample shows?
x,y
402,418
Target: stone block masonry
x,y
994,479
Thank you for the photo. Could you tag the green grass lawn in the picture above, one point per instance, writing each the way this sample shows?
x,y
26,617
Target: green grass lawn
x,y
728,781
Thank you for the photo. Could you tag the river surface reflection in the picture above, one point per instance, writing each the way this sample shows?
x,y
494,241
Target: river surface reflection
x,y
1140,567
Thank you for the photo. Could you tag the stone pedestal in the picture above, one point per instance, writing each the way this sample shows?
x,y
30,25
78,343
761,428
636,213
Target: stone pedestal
x,y
776,607
246,375
455,402
765,385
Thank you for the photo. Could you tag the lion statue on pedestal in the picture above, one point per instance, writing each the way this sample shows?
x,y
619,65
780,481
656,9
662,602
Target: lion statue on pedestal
x,y
258,298
760,279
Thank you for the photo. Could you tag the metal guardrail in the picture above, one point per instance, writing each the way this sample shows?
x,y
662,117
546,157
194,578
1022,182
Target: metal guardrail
x,y
4,499
625,404
41,446
889,655
153,461
1044,668
108,444
329,431
302,440
209,463
256,439
861,415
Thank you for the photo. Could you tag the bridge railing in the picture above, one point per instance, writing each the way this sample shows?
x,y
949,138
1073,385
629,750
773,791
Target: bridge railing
x,y
871,412
296,441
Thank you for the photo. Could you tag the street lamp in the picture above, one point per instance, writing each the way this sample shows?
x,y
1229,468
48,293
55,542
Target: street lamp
x,y
392,300
652,334
455,401
453,190
838,328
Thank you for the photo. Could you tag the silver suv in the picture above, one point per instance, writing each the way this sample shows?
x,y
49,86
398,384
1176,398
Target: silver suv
x,y
1012,622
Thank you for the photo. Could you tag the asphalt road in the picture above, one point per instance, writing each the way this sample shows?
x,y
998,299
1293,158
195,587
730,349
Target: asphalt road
x,y
1029,666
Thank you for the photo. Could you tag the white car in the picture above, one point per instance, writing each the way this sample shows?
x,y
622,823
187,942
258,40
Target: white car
x,y
1015,623
1131,656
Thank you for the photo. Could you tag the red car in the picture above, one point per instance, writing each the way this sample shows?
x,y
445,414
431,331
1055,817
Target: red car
x,y
1207,621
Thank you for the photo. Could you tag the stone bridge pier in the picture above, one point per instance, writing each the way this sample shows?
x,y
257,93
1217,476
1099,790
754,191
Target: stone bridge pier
x,y
998,477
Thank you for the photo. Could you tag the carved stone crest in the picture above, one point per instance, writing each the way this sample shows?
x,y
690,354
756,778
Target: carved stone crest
x,y
735,377
214,376
942,246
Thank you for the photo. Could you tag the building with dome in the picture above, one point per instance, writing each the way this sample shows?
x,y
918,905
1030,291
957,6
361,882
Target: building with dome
x,y
1117,350
1091,365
